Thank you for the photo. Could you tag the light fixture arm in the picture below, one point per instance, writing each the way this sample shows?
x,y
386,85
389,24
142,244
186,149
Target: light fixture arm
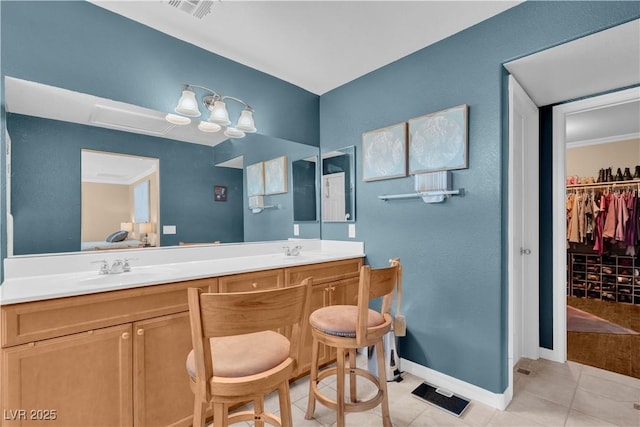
x,y
240,101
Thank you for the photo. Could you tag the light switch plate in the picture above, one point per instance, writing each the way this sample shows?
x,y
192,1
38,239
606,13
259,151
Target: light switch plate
x,y
168,229
352,231
296,229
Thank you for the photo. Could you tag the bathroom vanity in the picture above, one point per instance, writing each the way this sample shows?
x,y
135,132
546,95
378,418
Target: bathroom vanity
x,y
79,348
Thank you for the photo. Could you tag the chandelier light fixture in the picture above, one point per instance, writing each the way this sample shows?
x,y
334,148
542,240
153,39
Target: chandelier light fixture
x,y
218,115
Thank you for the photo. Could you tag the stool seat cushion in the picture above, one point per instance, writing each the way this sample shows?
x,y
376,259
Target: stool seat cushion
x,y
244,355
340,320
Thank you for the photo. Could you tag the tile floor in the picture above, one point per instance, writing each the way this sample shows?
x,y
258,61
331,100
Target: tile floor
x,y
553,394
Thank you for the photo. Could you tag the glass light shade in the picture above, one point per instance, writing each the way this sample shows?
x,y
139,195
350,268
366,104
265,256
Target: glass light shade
x,y
232,132
219,113
245,121
209,127
188,104
177,120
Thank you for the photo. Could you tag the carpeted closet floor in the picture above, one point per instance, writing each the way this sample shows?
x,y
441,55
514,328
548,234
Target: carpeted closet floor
x,y
616,352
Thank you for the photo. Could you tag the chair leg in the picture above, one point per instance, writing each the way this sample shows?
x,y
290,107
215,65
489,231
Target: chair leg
x,y
382,378
199,412
220,415
258,410
352,375
313,379
340,374
285,404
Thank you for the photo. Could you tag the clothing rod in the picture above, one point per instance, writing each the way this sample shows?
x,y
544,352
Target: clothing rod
x,y
459,192
614,184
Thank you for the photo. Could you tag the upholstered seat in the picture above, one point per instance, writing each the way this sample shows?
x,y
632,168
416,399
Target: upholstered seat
x,y
347,328
237,356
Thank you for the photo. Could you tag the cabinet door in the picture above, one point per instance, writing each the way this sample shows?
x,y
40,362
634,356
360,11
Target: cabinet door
x,y
319,298
162,395
78,380
255,281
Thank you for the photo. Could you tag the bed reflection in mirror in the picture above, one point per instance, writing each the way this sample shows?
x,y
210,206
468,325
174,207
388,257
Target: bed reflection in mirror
x,y
119,201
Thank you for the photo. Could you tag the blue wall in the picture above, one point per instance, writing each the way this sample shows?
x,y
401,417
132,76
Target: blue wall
x,y
453,257
46,184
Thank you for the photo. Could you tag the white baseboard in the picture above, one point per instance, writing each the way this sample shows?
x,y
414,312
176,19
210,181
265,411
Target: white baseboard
x,y
464,389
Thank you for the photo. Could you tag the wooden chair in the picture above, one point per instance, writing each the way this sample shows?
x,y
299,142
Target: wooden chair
x,y
238,357
347,328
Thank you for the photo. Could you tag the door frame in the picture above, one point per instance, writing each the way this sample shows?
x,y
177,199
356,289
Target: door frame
x,y
559,166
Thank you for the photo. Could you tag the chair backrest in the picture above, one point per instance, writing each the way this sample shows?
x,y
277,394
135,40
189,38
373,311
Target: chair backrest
x,y
376,283
225,314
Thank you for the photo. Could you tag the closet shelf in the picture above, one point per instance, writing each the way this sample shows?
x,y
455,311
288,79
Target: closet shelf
x,y
425,195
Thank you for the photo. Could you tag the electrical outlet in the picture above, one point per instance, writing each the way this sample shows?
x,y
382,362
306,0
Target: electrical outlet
x,y
296,229
352,231
168,229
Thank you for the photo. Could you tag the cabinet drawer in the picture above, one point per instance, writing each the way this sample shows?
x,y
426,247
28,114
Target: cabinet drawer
x,y
255,281
324,272
38,320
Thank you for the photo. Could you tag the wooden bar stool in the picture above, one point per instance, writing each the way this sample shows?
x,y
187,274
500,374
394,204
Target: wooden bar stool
x,y
237,356
347,328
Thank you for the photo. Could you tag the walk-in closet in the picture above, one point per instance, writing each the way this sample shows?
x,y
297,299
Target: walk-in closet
x,y
603,242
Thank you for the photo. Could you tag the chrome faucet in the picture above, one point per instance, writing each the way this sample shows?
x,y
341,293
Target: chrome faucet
x,y
118,266
295,251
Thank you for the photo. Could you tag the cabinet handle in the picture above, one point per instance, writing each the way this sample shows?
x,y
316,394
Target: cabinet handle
x,y
140,331
125,336
254,285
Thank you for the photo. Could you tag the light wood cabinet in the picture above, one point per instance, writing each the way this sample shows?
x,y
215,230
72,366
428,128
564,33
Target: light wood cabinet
x,y
254,281
118,358
161,391
70,380
333,283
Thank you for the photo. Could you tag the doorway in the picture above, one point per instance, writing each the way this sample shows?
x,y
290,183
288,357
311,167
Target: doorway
x,y
596,275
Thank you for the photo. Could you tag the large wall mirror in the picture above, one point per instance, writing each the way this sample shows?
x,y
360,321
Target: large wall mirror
x,y
47,191
339,186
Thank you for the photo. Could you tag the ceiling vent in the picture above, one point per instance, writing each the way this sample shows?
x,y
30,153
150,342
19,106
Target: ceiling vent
x,y
197,8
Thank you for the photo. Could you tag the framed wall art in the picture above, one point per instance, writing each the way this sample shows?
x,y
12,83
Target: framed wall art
x,y
255,179
438,141
384,153
220,193
275,175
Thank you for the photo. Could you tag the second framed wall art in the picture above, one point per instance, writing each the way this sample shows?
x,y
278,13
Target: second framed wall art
x,y
438,141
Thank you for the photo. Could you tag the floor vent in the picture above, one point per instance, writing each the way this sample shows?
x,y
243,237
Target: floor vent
x,y
440,398
523,371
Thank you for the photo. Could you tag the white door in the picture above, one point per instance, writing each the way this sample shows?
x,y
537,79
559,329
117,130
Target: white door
x,y
523,225
333,202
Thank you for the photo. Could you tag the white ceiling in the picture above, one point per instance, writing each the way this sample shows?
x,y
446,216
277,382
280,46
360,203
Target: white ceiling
x,y
317,45
597,63
115,168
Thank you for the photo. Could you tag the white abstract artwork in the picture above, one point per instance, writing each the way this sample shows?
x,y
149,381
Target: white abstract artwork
x,y
384,153
275,176
438,141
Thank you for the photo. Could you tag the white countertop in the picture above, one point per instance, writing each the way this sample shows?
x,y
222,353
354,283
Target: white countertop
x,y
46,277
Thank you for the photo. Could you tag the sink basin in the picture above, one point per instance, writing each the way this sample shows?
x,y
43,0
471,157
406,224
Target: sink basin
x,y
133,276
